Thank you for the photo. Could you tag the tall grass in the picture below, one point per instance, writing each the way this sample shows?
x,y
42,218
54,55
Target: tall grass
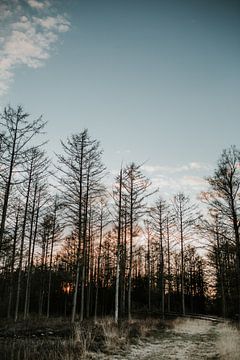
x,y
37,349
228,343
59,340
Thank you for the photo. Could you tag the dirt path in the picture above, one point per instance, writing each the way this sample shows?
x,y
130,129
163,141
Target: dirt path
x,y
189,339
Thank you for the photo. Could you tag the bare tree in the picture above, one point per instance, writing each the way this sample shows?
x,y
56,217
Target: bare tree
x,y
149,238
119,227
18,133
55,234
224,197
34,164
135,186
185,217
102,220
159,217
81,172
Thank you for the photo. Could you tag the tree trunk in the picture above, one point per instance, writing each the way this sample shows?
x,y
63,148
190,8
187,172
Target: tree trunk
x,y
98,269
182,267
29,257
21,247
169,268
7,191
118,249
13,262
51,257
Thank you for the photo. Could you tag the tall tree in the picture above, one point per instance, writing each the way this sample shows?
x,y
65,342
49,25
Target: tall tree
x,y
18,133
119,228
135,186
102,220
224,197
185,217
149,237
34,167
81,171
159,218
55,234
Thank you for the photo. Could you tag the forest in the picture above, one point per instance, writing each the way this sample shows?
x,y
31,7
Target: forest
x,y
72,246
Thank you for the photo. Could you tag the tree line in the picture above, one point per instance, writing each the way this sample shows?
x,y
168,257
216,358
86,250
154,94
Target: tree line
x,y
71,246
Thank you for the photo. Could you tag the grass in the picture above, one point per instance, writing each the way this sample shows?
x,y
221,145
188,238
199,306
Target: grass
x,y
57,339
37,339
190,326
228,343
31,349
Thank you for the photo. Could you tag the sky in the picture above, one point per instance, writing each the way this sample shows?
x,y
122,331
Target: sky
x,y
155,81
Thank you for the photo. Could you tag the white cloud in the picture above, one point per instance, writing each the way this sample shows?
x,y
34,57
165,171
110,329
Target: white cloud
x,y
175,169
122,152
165,182
198,166
58,23
29,39
39,5
193,181
188,184
170,184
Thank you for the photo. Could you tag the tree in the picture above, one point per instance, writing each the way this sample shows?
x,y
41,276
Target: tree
x,y
49,231
119,228
18,133
101,221
224,197
135,186
159,218
35,166
13,256
149,237
185,217
55,234
81,171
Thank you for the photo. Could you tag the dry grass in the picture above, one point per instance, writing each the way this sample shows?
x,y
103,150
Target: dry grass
x,y
190,326
136,339
56,339
29,349
228,343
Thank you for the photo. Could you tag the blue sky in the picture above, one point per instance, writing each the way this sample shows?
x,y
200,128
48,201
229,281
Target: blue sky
x,y
154,81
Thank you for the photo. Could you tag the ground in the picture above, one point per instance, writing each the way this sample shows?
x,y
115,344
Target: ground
x,y
150,339
188,339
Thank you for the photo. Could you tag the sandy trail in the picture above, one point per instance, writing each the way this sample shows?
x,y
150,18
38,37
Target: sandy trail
x,y
189,339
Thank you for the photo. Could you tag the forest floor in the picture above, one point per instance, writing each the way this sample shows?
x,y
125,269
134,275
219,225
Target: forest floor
x,y
151,339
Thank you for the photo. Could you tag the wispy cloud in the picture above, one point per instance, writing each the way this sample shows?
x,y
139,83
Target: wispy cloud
x,y
192,166
38,4
173,179
193,181
122,152
31,31
163,182
169,185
